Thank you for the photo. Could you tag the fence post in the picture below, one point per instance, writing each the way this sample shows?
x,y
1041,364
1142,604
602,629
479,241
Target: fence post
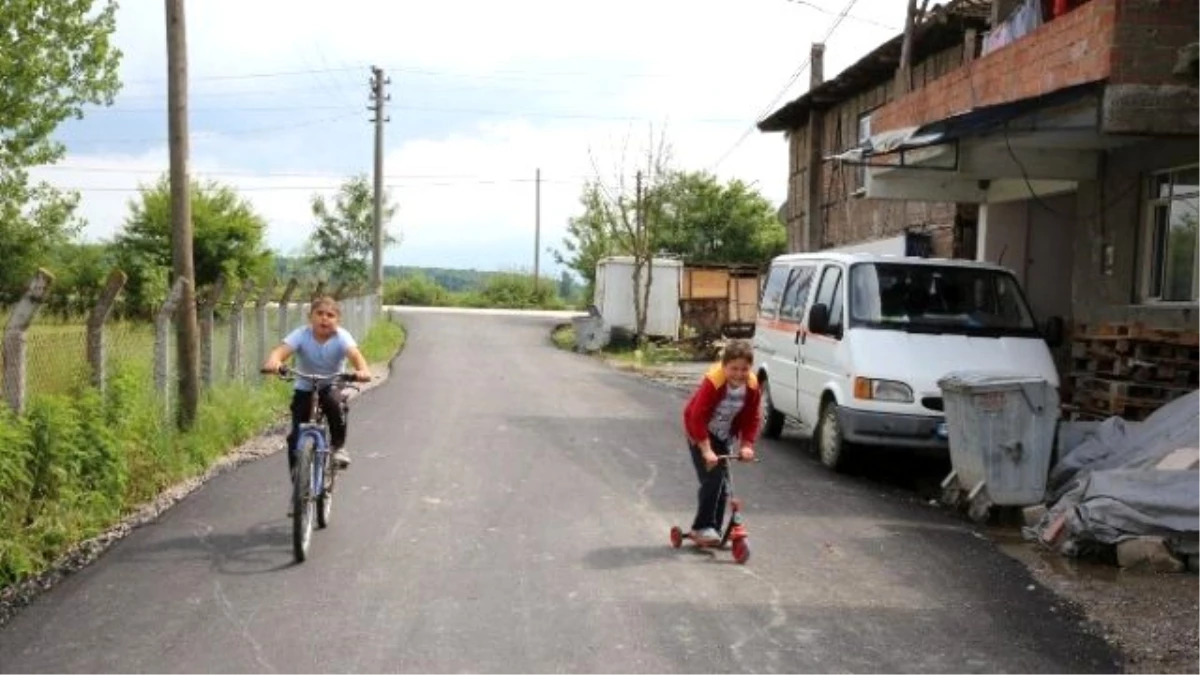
x,y
162,326
237,329
14,338
260,324
208,305
284,301
319,291
95,327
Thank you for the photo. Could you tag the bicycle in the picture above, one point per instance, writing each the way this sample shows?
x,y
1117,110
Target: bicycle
x,y
314,474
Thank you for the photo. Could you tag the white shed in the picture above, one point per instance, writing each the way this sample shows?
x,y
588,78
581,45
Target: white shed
x,y
614,295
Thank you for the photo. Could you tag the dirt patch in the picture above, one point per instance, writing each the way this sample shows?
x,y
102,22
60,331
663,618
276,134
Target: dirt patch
x,y
13,598
1153,619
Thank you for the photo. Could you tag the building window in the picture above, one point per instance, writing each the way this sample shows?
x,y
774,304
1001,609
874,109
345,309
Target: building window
x,y
1172,251
864,134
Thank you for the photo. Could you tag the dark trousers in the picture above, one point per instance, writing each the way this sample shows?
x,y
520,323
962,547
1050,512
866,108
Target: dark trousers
x,y
710,506
330,401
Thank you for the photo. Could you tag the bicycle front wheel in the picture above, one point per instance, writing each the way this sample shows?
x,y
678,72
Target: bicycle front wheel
x,y
303,505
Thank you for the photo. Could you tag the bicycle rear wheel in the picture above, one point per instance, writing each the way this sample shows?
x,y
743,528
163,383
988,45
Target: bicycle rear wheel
x,y
303,505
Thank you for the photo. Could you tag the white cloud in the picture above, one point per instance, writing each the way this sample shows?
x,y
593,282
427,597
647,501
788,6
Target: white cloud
x,y
467,194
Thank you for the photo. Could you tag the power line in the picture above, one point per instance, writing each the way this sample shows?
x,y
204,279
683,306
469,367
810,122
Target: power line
x,y
791,80
495,74
854,17
234,132
439,109
338,186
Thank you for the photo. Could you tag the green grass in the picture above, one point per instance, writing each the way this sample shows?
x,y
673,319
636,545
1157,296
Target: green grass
x,y
384,340
77,462
564,337
651,355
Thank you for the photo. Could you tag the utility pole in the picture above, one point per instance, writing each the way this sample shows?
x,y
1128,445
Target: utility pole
x,y
537,229
186,325
378,97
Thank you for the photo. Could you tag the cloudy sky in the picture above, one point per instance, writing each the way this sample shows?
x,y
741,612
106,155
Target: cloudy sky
x,y
483,94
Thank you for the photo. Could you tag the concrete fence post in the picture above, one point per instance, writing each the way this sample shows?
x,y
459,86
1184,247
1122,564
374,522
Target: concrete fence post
x,y
14,338
284,307
237,330
208,320
96,352
162,343
260,324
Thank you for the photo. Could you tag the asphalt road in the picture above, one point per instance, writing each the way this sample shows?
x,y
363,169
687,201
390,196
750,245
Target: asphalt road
x,y
508,510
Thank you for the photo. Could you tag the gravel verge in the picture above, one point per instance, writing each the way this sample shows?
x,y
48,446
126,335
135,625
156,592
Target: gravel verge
x,y
17,596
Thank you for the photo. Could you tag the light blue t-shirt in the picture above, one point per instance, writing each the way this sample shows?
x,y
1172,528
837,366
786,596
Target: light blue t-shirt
x,y
316,358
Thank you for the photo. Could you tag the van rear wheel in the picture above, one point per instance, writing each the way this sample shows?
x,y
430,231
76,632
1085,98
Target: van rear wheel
x,y
831,447
773,420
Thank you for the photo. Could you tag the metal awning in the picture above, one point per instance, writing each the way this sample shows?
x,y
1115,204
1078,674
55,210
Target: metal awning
x,y
948,131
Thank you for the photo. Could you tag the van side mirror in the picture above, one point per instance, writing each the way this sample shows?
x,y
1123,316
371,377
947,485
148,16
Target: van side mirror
x,y
1055,332
818,319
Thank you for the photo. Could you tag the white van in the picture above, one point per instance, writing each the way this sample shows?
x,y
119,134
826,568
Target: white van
x,y
852,345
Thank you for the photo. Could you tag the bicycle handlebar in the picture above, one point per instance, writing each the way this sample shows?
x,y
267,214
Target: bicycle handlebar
x,y
289,374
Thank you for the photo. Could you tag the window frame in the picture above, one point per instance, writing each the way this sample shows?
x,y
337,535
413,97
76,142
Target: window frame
x,y
1152,248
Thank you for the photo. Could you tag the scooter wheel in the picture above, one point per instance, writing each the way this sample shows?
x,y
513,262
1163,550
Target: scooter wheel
x,y
676,537
741,551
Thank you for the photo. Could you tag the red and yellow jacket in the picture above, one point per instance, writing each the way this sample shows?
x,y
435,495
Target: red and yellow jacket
x,y
700,407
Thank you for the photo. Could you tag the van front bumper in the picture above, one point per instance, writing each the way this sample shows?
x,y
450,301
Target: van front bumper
x,y
923,432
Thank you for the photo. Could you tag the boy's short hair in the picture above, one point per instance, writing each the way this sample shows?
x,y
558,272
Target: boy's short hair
x,y
737,349
325,302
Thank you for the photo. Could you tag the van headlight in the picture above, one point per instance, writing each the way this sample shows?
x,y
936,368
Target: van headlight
x,y
882,390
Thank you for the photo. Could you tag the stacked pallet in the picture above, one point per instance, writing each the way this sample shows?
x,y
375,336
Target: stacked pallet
x,y
1130,370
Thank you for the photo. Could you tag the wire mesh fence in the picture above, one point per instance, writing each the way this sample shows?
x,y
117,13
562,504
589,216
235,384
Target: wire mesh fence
x,y
56,353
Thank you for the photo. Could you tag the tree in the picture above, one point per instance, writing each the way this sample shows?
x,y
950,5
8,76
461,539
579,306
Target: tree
x,y
55,58
230,239
707,222
343,241
590,237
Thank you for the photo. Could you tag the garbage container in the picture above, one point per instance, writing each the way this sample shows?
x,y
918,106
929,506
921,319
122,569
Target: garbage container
x,y
1001,431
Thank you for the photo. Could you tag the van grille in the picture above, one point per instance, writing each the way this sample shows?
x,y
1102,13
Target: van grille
x,y
933,403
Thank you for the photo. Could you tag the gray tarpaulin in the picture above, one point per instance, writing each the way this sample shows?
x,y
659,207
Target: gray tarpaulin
x,y
1108,488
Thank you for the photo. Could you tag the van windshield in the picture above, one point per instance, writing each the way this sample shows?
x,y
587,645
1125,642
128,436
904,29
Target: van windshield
x,y
938,299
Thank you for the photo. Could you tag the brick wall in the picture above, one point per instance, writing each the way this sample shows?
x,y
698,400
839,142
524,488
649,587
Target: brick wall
x,y
1147,40
1073,49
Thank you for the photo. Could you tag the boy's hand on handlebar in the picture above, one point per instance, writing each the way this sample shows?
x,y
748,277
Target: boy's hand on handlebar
x,y
746,454
362,375
272,366
710,458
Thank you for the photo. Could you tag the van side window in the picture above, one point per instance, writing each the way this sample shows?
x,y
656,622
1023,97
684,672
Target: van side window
x,y
830,294
768,307
796,298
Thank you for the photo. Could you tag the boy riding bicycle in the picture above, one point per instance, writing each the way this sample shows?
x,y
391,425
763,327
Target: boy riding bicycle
x,y
725,408
321,348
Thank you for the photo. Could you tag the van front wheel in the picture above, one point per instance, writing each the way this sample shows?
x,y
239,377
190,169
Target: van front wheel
x,y
773,420
831,447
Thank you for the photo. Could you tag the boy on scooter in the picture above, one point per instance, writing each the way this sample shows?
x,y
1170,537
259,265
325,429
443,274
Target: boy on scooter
x,y
724,409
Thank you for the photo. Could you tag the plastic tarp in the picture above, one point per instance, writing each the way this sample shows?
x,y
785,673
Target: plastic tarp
x,y
1108,489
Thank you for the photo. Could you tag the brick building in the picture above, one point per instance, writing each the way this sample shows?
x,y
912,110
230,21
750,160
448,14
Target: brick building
x,y
1058,137
826,207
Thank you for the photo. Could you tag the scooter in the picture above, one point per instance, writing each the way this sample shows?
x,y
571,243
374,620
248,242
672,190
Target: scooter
x,y
734,531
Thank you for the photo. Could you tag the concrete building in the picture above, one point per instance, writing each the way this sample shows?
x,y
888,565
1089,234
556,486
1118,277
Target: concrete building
x,y
1058,137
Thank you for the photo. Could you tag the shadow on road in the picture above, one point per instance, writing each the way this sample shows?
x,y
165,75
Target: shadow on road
x,y
262,549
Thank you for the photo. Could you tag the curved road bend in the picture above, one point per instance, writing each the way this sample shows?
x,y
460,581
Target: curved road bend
x,y
508,511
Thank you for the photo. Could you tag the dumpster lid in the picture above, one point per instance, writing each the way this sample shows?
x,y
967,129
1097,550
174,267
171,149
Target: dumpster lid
x,y
974,379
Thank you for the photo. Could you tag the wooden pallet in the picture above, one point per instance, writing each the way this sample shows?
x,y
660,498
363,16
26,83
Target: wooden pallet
x,y
1136,331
